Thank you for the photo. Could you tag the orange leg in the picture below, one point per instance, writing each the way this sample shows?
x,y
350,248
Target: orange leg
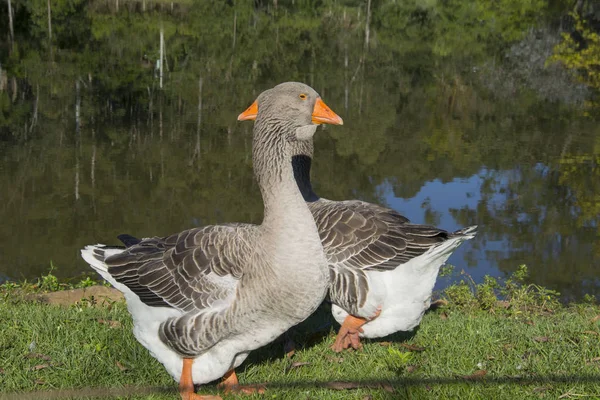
x,y
186,384
348,334
230,380
230,384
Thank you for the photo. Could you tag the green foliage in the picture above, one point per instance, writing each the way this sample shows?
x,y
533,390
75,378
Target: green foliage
x,y
590,299
87,282
446,270
46,283
416,104
513,296
581,57
520,275
486,293
460,294
9,287
94,348
49,282
398,360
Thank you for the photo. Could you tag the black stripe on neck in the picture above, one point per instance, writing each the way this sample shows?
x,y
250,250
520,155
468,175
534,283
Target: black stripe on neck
x,y
301,166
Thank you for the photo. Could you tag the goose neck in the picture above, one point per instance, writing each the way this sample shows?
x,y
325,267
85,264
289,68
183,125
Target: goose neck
x,y
275,175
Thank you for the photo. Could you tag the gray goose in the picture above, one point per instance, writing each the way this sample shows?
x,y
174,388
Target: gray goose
x,y
202,299
382,267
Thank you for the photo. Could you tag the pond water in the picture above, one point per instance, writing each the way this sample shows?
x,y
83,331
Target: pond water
x,y
91,145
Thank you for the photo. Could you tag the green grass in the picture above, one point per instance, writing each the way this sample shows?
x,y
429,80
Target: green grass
x,y
525,346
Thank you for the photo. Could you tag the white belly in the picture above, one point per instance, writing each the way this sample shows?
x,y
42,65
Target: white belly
x,y
404,294
206,368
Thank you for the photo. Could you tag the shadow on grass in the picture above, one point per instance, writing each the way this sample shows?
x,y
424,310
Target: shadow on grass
x,y
305,335
389,386
311,332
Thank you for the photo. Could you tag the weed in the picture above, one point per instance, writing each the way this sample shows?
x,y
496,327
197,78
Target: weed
x,y
87,282
486,293
460,294
589,299
446,270
49,282
398,360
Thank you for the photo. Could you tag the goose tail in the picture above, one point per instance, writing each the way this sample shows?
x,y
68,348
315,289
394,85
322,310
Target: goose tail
x,y
468,232
437,255
128,240
96,255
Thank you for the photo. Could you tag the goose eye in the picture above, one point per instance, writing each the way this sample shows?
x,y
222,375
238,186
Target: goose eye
x,y
303,96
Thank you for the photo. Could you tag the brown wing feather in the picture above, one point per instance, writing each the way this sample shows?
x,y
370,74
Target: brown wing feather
x,y
358,237
189,270
370,237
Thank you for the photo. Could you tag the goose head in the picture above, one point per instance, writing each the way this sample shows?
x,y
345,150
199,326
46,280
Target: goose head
x,y
293,105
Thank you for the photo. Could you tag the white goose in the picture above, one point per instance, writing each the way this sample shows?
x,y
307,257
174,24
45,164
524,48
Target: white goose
x,y
383,268
202,299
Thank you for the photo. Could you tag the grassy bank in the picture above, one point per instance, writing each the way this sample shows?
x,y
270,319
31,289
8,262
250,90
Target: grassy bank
x,y
526,345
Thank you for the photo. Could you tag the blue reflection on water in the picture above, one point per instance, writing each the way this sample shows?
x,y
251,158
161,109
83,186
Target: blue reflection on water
x,y
460,193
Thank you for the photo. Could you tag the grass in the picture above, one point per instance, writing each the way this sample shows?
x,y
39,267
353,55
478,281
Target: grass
x,y
494,340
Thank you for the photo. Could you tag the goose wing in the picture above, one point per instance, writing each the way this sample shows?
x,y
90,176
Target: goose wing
x,y
191,271
358,237
365,236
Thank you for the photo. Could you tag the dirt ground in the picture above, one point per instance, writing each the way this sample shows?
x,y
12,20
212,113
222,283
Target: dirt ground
x,y
68,297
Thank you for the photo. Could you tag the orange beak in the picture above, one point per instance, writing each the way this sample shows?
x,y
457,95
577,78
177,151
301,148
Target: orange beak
x,y
322,114
250,113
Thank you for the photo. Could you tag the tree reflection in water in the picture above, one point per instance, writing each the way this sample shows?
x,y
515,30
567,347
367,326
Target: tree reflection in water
x,y
442,123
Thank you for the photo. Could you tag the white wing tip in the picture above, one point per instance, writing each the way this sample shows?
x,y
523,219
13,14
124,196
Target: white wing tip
x,y
469,232
87,253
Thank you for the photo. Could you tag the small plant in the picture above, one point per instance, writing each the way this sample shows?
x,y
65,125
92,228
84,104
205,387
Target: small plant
x,y
525,297
87,282
589,299
521,274
516,295
460,294
7,289
486,293
446,270
9,286
49,282
544,298
94,347
398,360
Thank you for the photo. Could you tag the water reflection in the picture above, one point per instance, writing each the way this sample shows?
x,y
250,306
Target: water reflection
x,y
567,254
91,147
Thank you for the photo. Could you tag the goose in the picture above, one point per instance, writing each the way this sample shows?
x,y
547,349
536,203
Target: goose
x,y
382,267
202,299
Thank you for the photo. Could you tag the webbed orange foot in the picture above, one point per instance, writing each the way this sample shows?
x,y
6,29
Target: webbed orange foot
x,y
348,335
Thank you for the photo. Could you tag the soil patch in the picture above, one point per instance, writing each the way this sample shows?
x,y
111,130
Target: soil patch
x,y
101,294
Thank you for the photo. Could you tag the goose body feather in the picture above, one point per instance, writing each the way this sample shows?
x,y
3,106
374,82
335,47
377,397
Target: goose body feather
x,y
377,259
147,321
402,290
178,283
